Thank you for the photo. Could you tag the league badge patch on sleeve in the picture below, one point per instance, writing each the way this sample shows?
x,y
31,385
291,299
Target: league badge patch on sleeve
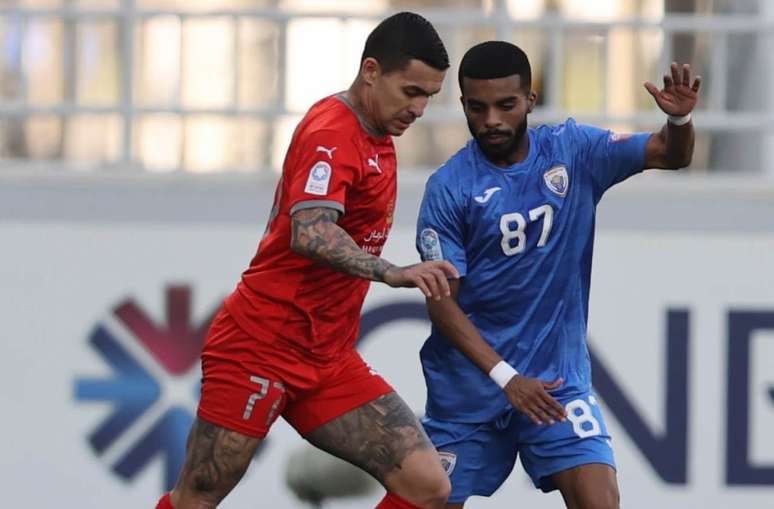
x,y
319,178
557,180
430,245
616,137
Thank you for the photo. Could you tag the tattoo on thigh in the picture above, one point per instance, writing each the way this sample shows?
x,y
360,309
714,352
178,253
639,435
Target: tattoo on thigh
x,y
376,437
217,458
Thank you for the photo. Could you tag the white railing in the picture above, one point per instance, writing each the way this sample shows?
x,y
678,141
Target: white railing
x,y
715,117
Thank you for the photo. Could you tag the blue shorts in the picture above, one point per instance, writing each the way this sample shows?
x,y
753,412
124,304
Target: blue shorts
x,y
479,457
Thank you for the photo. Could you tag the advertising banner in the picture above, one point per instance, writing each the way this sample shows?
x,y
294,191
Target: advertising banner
x,y
103,323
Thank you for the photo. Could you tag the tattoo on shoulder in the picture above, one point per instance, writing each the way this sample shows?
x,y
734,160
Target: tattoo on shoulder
x,y
315,234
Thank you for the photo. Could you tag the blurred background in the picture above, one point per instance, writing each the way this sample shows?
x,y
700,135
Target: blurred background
x,y
140,142
217,86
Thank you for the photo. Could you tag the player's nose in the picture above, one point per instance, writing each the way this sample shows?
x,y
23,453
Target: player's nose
x,y
417,106
492,119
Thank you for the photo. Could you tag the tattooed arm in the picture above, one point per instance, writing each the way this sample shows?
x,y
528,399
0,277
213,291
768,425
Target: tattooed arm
x,y
315,235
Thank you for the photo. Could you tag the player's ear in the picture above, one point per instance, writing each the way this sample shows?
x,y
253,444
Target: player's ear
x,y
370,70
531,100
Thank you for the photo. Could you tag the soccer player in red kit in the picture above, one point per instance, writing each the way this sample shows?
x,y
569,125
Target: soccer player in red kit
x,y
283,344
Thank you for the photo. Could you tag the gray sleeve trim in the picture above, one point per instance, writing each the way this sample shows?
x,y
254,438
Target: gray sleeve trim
x,y
311,204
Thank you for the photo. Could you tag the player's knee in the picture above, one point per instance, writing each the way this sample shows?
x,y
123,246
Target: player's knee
x,y
441,489
433,490
433,495
427,488
215,461
602,498
200,491
205,485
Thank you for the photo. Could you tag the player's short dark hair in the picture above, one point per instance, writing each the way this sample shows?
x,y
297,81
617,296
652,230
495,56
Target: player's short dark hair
x,y
495,59
402,37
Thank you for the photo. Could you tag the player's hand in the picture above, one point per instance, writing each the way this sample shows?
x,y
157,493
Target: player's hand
x,y
530,396
679,96
430,277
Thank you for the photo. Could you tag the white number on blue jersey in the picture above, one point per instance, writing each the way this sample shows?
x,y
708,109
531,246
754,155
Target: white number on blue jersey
x,y
509,235
584,424
548,221
519,235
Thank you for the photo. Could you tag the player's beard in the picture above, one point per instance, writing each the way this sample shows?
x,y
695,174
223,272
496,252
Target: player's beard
x,y
501,152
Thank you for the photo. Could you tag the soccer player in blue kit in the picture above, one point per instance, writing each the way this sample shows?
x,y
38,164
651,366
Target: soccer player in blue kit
x,y
506,364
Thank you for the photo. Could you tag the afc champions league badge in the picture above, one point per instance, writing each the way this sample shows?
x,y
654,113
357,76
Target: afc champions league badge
x,y
430,245
557,180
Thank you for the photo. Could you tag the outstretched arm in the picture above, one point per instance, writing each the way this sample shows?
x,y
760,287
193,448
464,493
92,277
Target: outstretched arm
x,y
672,146
315,235
528,395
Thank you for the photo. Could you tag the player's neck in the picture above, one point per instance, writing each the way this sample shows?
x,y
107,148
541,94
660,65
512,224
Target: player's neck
x,y
359,100
519,154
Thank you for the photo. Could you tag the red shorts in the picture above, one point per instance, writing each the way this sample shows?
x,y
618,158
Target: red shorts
x,y
247,383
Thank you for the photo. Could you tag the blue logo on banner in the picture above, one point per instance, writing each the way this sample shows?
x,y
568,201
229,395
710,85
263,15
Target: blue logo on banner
x,y
152,427
133,390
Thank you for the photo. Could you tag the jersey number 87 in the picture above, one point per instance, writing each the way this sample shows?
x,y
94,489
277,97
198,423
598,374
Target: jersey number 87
x,y
519,236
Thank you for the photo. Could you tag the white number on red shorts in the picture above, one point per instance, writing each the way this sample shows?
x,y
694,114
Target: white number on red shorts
x,y
265,384
255,396
584,424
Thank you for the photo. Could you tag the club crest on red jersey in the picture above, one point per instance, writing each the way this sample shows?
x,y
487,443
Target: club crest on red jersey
x,y
557,180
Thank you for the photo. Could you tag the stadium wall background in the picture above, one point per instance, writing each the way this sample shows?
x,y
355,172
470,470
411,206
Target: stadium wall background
x,y
100,272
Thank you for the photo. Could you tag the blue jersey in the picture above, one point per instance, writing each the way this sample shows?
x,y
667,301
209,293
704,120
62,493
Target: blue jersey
x,y
522,239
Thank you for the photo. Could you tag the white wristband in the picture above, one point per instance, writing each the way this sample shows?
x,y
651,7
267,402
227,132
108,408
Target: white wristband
x,y
502,373
678,121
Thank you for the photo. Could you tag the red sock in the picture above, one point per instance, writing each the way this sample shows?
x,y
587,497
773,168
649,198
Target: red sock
x,y
165,503
393,501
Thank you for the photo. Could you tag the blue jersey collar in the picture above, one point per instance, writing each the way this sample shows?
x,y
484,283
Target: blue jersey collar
x,y
479,156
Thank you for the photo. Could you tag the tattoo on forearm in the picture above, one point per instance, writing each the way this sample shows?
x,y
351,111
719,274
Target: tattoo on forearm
x,y
315,234
376,437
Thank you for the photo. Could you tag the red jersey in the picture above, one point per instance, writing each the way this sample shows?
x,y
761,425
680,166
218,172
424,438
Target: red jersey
x,y
333,162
